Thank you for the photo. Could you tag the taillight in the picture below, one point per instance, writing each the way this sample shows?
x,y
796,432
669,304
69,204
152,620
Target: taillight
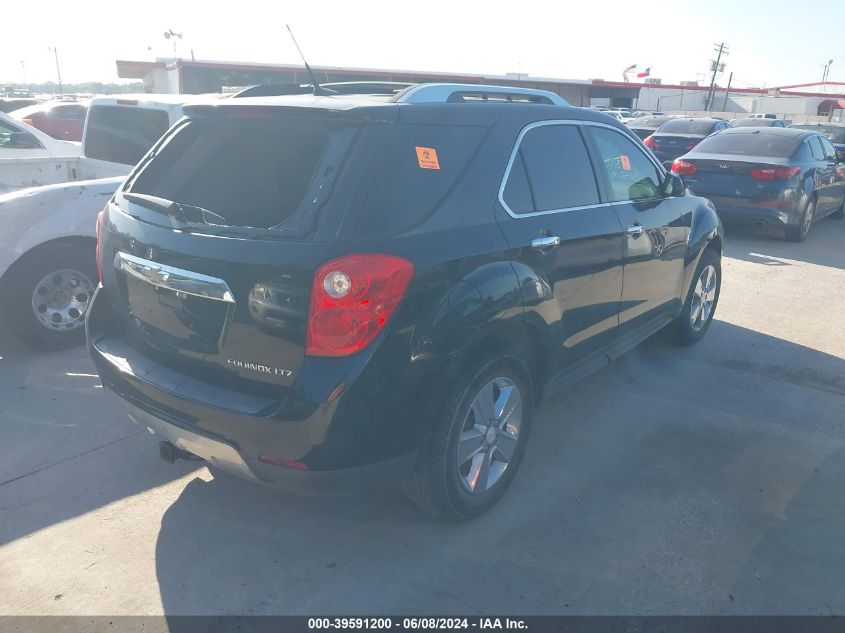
x,y
352,299
99,263
690,145
684,167
649,142
775,173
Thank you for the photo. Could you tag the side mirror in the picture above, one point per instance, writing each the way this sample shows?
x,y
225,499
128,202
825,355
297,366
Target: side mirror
x,y
23,140
673,185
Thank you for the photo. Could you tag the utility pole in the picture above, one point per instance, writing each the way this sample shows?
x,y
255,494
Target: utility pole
x,y
711,93
727,90
826,70
58,72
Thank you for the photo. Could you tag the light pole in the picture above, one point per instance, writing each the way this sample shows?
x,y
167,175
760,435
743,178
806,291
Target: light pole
x,y
826,70
25,82
58,72
170,34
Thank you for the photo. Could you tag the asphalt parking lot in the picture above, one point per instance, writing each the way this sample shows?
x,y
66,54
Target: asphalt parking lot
x,y
684,481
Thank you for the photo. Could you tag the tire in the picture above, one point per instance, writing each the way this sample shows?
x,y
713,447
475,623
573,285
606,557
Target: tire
x,y
48,293
692,324
459,491
799,233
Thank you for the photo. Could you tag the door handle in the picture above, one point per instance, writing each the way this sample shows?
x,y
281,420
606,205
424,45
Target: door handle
x,y
547,241
635,230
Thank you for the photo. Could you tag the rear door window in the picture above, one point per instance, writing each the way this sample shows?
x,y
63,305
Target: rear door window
x,y
250,171
123,134
553,166
69,112
828,149
630,174
815,147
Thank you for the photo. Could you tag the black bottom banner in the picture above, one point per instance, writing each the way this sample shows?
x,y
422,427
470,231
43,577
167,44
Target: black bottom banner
x,y
527,624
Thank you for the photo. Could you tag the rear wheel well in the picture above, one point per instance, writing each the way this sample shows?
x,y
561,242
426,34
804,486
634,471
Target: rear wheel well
x,y
76,241
716,245
520,340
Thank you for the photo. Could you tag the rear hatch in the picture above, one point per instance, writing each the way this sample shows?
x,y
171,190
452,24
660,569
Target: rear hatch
x,y
731,177
216,237
670,146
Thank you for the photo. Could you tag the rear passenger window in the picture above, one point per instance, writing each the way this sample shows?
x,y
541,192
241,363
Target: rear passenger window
x,y
70,112
827,149
550,171
630,173
815,148
517,192
407,190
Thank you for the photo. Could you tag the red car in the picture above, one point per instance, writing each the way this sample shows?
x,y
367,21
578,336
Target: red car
x,y
60,119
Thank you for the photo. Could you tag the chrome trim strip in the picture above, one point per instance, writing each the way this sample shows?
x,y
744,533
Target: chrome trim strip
x,y
175,279
576,122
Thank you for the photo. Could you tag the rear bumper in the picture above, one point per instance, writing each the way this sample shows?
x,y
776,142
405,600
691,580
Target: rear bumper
x,y
358,440
667,158
756,212
225,454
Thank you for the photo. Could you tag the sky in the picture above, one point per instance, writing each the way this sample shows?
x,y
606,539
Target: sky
x,y
582,40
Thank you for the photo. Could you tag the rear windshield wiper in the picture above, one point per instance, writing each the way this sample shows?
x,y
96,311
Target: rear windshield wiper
x,y
178,210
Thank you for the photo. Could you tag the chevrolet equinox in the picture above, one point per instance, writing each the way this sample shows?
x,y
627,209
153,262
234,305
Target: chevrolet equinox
x,y
332,292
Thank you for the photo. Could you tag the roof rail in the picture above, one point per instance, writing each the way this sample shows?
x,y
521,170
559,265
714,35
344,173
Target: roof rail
x,y
459,93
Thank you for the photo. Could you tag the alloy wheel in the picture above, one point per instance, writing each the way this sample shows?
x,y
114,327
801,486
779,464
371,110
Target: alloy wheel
x,y
807,220
703,298
490,435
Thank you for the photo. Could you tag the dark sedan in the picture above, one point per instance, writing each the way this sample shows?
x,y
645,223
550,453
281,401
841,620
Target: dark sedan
x,y
831,130
767,176
645,126
758,123
679,135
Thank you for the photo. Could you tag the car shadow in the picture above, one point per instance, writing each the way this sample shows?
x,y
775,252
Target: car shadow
x,y
767,246
67,446
691,480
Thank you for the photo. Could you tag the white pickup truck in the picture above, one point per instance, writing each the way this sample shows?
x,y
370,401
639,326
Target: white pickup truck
x,y
29,157
47,242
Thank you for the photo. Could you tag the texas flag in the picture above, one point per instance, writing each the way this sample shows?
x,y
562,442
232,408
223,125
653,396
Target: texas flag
x,y
645,73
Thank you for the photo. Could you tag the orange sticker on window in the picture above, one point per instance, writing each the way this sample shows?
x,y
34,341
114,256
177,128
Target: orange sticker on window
x,y
626,162
427,158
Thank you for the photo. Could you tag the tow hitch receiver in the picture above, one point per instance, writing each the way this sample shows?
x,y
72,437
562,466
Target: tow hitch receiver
x,y
170,453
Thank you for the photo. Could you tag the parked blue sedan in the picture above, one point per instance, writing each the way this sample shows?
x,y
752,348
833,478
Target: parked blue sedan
x,y
767,176
832,131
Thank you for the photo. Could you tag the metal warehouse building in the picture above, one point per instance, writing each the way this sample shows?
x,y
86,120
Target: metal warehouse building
x,y
795,101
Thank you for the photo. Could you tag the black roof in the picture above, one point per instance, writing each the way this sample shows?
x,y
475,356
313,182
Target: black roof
x,y
371,107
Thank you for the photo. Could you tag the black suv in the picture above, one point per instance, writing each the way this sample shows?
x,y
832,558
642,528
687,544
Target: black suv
x,y
337,292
